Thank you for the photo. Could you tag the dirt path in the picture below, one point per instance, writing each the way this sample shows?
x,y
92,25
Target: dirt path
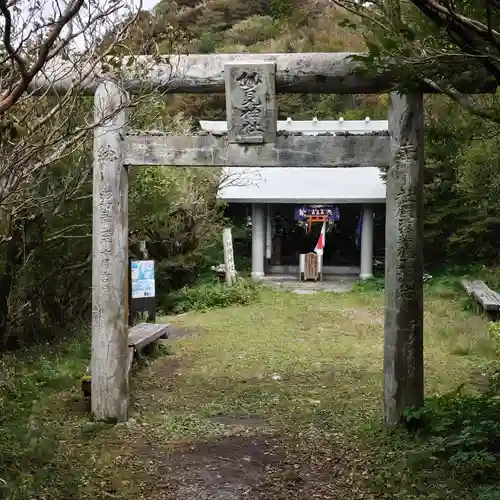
x,y
248,461
229,469
236,468
277,402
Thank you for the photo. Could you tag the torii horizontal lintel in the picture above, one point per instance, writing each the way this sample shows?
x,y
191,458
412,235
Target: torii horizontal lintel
x,y
319,72
288,151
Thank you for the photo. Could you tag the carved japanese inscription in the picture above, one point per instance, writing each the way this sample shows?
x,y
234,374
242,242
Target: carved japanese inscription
x,y
227,241
106,236
251,102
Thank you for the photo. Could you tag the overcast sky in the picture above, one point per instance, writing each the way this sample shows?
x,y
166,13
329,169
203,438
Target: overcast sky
x,y
148,4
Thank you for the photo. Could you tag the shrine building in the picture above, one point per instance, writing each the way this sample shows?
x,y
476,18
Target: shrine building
x,y
288,207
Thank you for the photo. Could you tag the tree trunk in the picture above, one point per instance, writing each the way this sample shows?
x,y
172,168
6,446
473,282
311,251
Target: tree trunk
x,y
7,279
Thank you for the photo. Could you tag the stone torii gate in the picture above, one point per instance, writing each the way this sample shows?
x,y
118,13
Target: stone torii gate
x,y
250,82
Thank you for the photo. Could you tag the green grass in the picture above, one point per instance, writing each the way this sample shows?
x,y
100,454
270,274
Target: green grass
x,y
31,428
298,377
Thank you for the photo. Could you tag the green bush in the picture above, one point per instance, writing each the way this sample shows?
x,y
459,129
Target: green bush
x,y
280,9
252,30
462,432
211,295
207,44
494,332
444,287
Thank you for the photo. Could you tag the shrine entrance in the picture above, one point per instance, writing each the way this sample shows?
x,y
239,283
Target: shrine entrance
x,y
253,140
287,204
286,237
251,82
292,236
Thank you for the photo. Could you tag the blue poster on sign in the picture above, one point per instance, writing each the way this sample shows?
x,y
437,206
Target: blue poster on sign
x,y
143,278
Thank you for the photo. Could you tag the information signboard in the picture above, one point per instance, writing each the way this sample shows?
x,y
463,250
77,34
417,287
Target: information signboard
x,y
143,278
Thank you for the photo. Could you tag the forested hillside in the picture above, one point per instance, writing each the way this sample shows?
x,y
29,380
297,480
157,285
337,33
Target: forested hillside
x,y
265,26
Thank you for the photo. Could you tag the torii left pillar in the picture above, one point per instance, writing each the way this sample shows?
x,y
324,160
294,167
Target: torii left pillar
x,y
109,366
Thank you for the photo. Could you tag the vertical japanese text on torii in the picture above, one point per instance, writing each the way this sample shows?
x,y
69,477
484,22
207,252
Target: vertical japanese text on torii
x,y
251,108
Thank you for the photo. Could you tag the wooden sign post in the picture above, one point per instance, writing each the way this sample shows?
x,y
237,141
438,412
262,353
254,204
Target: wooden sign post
x,y
227,241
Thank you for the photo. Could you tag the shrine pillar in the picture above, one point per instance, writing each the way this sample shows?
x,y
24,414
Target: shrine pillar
x,y
258,240
367,243
269,235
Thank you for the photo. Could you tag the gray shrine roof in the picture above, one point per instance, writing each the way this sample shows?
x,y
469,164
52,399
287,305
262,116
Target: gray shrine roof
x,y
308,184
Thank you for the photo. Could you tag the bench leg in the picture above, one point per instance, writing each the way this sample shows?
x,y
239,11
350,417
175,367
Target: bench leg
x,y
479,309
86,384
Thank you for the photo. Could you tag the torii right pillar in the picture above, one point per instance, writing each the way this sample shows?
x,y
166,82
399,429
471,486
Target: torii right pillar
x,y
404,311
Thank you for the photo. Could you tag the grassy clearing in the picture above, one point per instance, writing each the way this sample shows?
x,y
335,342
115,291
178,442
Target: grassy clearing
x,y
279,399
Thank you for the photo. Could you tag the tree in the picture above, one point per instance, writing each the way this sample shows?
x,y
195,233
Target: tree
x,y
45,186
420,41
38,132
45,145
415,40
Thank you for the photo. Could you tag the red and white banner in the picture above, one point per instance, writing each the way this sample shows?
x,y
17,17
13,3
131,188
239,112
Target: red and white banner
x,y
320,245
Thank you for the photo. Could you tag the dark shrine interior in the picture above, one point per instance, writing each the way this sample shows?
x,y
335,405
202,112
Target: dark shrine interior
x,y
291,237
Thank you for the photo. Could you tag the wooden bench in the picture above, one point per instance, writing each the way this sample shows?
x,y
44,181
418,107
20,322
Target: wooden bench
x,y
139,337
486,299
